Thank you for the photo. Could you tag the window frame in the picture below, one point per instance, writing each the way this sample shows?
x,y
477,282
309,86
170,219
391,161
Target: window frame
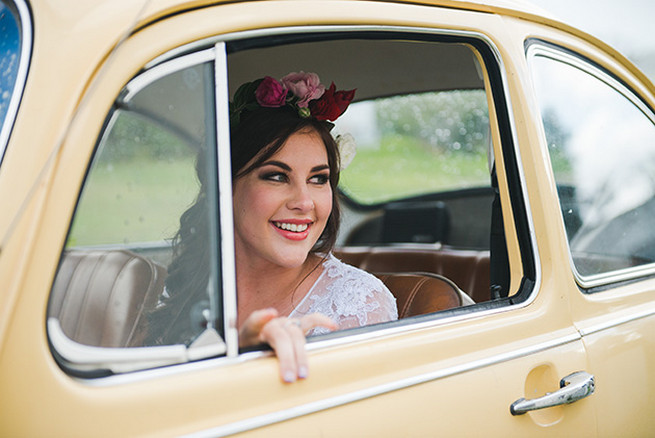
x,y
86,361
21,11
554,52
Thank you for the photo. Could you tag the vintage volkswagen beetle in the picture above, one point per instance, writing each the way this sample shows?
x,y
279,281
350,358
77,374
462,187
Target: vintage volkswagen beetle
x,y
503,188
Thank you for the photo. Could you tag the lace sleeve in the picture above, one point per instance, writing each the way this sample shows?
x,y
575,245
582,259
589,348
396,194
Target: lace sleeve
x,y
350,296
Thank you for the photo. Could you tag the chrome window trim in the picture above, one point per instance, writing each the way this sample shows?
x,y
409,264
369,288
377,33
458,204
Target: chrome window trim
x,y
578,61
21,74
147,77
226,216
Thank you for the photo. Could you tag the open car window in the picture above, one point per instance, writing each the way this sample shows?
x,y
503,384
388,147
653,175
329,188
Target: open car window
x,y
420,202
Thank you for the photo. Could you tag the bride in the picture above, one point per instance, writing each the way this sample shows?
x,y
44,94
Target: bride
x,y
285,170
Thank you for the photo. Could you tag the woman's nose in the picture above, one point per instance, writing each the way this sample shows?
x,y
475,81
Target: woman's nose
x,y
301,199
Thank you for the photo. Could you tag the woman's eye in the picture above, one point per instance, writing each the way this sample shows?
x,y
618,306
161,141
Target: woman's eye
x,y
321,179
275,176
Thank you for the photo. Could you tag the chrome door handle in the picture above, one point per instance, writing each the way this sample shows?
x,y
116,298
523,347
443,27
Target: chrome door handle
x,y
573,387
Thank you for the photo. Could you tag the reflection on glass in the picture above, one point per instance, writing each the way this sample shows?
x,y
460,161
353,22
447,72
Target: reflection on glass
x,y
602,149
9,57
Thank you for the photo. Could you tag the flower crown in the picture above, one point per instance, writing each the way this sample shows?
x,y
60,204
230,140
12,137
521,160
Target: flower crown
x,y
300,91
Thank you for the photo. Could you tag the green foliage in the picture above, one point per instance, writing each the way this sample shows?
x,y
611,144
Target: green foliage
x,y
403,167
427,143
454,120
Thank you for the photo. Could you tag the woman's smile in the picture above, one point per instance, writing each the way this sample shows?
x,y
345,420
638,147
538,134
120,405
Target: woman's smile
x,y
294,229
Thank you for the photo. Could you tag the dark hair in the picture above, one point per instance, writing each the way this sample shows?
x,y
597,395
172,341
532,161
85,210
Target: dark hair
x,y
258,136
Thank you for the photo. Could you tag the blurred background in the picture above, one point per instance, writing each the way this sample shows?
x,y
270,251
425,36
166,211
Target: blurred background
x,y
626,25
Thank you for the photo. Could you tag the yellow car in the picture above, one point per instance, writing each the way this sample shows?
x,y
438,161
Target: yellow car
x,y
502,189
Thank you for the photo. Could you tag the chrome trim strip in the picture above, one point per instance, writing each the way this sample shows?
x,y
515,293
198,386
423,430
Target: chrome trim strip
x,y
146,78
228,264
26,32
340,400
560,55
616,322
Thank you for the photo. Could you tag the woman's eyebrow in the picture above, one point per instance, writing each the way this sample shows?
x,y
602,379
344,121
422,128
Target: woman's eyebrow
x,y
320,167
279,164
286,167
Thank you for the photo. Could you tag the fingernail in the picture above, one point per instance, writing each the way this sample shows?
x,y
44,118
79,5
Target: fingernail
x,y
303,372
289,377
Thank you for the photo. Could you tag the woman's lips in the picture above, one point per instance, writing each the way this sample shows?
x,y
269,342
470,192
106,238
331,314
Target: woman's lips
x,y
293,229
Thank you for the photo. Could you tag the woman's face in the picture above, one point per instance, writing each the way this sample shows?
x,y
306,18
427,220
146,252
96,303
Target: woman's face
x,y
282,207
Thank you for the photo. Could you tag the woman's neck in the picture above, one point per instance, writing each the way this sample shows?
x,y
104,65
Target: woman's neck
x,y
267,285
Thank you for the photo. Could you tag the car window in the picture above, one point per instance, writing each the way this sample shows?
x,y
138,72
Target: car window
x,y
15,45
121,281
418,194
601,141
422,176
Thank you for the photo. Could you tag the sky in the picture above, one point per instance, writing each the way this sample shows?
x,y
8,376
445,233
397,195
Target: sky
x,y
627,25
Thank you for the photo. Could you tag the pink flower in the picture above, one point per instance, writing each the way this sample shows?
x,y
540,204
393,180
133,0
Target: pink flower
x,y
305,86
271,93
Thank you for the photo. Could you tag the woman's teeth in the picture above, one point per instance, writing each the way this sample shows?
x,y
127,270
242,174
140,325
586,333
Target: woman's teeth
x,y
296,228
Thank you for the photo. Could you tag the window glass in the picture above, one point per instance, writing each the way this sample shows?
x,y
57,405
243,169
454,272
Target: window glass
x,y
602,149
128,277
9,55
416,144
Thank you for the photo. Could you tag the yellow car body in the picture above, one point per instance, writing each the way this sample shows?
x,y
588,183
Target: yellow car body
x,y
446,376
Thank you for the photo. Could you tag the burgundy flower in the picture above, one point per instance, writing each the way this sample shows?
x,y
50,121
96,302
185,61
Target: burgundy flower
x,y
270,93
332,104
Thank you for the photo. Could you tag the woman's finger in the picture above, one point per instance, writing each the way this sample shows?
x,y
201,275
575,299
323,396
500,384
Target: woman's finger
x,y
297,337
279,335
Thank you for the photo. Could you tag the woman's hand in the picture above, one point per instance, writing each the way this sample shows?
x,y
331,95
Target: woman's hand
x,y
286,336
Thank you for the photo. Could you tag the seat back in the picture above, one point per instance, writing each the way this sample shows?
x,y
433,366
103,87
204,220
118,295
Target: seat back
x,y
99,296
421,293
469,269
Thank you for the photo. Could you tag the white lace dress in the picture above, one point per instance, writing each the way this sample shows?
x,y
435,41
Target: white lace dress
x,y
348,295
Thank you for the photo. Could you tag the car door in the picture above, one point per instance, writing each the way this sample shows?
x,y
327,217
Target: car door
x,y
455,372
601,137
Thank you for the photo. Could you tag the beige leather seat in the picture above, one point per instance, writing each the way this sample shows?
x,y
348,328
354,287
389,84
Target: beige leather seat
x,y
99,296
421,293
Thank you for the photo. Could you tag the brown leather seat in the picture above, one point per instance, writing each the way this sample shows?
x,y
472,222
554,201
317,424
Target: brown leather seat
x,y
99,296
421,293
469,269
